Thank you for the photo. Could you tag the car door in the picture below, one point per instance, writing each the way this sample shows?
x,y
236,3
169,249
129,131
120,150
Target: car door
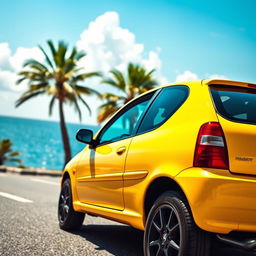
x,y
156,146
99,173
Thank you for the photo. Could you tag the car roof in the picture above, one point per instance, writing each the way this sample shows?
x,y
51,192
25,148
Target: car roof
x,y
192,84
229,82
213,81
203,82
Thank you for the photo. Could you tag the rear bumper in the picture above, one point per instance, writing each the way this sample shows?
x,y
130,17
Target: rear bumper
x,y
220,201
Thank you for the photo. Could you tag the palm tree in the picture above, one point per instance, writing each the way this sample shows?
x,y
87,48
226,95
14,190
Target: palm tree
x,y
138,80
59,77
6,153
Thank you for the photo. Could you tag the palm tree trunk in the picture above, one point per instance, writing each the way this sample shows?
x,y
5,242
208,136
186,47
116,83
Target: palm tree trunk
x,y
64,134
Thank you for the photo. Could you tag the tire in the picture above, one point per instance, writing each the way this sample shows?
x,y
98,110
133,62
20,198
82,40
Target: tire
x,y
68,218
170,229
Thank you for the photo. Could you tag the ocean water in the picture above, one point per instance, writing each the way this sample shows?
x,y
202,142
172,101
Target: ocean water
x,y
40,141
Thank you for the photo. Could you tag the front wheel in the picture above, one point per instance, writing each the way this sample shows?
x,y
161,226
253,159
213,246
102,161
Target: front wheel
x,y
68,218
171,231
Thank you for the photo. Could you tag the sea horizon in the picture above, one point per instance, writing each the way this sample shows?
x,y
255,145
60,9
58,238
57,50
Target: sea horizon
x,y
47,120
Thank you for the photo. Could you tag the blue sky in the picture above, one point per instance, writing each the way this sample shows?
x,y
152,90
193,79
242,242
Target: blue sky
x,y
203,37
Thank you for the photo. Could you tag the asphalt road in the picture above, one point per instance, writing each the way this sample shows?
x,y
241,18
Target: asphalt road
x,y
31,227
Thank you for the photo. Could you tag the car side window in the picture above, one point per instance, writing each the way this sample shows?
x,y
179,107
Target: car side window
x,y
164,106
123,126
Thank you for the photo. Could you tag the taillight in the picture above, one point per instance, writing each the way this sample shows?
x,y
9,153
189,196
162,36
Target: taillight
x,y
211,149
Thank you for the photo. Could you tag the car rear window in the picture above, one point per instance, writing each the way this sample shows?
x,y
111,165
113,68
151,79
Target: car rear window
x,y
235,103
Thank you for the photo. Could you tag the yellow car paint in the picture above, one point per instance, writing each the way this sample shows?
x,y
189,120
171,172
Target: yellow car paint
x,y
113,185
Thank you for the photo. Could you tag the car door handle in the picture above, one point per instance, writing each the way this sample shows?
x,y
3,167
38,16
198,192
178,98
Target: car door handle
x,y
121,150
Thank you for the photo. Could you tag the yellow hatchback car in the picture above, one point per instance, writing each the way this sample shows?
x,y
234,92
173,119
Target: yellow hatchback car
x,y
178,162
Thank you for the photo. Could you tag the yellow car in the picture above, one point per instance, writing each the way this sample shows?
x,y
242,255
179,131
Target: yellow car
x,y
178,162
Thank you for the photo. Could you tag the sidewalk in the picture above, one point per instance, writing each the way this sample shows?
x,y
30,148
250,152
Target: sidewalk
x,y
29,171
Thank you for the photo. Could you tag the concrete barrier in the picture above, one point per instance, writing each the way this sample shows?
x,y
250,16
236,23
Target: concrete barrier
x,y
30,171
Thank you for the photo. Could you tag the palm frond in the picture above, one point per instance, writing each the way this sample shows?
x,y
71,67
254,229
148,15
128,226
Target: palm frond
x,y
20,80
60,55
46,57
10,159
79,55
6,153
138,80
52,48
36,87
31,74
68,89
34,64
106,110
53,52
77,108
85,90
24,98
51,105
120,80
73,53
84,76
85,103
110,81
148,85
16,153
5,146
112,97
69,66
52,90
33,77
70,74
151,72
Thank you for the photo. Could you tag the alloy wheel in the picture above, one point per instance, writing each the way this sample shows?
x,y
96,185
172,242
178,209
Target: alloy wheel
x,y
164,238
64,203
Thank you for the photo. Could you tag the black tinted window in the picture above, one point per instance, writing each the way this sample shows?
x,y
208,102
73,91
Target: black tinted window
x,y
235,103
164,106
123,126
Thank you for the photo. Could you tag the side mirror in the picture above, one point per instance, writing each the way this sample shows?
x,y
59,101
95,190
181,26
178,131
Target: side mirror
x,y
85,136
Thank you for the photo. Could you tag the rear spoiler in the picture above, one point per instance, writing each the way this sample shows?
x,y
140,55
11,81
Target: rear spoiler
x,y
228,82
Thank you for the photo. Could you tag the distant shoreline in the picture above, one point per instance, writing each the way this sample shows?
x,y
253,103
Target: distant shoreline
x,y
29,171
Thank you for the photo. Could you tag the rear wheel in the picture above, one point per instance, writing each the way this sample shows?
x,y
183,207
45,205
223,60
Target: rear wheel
x,y
171,231
68,218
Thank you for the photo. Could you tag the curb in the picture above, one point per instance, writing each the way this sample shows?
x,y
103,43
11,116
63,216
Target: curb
x,y
30,171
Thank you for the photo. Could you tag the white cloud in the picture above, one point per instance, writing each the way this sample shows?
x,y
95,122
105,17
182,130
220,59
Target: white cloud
x,y
215,76
7,80
109,46
186,76
22,54
5,54
106,44
153,61
11,64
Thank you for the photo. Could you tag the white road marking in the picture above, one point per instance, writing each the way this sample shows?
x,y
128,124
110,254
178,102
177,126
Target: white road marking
x,y
46,181
2,175
16,198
